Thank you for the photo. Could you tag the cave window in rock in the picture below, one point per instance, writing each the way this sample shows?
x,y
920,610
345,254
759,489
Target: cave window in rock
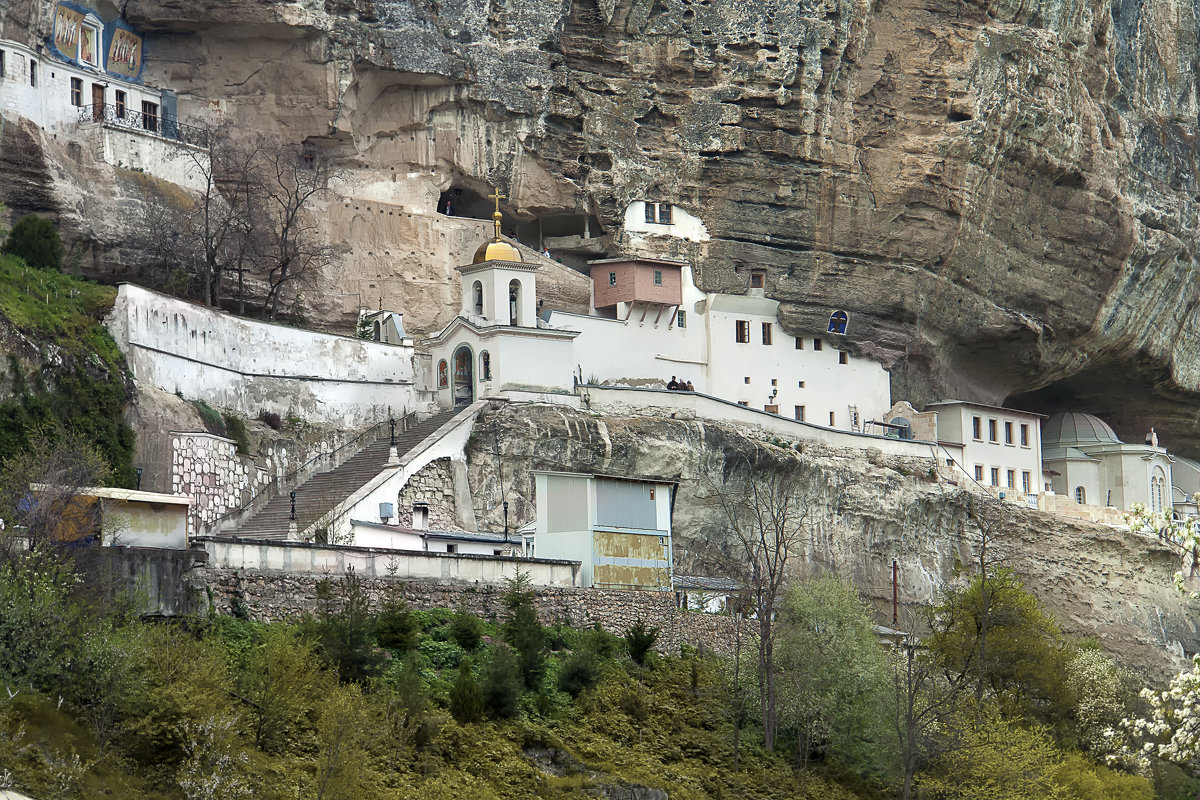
x,y
1080,495
477,292
443,374
758,279
514,302
485,366
838,321
658,213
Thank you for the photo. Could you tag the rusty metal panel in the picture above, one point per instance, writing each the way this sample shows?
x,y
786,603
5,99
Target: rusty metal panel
x,y
630,560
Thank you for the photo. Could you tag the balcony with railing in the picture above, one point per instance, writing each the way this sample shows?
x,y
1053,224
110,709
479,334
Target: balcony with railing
x,y
153,124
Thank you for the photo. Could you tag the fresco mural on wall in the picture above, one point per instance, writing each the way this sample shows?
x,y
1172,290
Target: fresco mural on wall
x,y
67,25
125,53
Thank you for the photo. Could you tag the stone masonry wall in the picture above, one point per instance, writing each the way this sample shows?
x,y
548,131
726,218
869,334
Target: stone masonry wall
x,y
434,486
207,469
272,596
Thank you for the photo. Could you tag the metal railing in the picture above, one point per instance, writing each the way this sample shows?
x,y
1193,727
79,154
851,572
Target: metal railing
x,y
330,460
153,124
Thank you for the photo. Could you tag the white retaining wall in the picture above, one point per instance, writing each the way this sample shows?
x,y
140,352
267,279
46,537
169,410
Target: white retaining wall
x,y
248,366
296,558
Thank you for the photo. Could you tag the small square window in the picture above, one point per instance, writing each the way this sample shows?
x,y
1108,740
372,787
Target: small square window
x,y
766,333
743,402
612,279
801,384
451,548
758,279
747,379
816,344
658,277
681,319
843,357
799,343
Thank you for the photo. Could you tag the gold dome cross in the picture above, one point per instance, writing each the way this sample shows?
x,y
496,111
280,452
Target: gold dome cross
x,y
496,215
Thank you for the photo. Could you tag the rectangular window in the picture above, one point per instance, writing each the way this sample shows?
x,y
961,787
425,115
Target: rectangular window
x,y
681,319
743,331
120,104
658,277
744,403
979,472
664,213
799,343
612,279
649,212
1024,435
977,428
801,384
150,116
1008,433
770,409
76,91
800,413
843,357
1012,479
758,279
747,379
3,70
995,476
774,381
991,430
816,344
831,422
33,75
1025,482
451,548
766,333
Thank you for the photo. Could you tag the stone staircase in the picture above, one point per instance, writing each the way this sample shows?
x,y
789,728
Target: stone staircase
x,y
322,492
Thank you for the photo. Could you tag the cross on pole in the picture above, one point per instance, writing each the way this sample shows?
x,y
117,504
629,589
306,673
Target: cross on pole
x,y
496,215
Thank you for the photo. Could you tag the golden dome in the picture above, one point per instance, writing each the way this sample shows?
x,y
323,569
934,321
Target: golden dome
x,y
493,250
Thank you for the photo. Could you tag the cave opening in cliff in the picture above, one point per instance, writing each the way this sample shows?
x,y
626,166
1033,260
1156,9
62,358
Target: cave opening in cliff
x,y
1132,397
462,201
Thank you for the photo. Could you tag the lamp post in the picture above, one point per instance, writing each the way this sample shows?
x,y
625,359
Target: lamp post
x,y
392,422
293,496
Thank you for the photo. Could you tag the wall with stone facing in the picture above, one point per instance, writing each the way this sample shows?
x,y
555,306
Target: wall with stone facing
x,y
434,486
271,595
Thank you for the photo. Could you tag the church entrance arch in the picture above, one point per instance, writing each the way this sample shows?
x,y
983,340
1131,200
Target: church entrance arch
x,y
464,377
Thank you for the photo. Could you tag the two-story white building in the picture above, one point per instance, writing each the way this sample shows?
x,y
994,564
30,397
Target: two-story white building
x,y
998,448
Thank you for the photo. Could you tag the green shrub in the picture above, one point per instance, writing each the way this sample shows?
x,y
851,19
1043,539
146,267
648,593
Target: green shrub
x,y
502,684
523,631
211,418
640,640
35,240
467,630
235,428
580,671
466,700
397,627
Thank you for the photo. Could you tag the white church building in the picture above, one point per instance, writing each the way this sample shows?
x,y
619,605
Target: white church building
x,y
648,323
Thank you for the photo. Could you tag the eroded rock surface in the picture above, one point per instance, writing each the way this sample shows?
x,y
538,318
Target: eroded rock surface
x,y
1002,195
867,510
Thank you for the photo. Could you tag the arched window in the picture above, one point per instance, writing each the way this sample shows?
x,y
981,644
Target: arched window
x,y
477,292
485,366
1080,495
1158,486
838,321
378,331
443,374
514,302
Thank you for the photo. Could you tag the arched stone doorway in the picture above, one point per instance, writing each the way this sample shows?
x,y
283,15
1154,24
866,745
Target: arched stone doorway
x,y
464,377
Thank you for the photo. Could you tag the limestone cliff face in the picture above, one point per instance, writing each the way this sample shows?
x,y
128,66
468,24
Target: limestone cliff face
x,y
1002,195
867,511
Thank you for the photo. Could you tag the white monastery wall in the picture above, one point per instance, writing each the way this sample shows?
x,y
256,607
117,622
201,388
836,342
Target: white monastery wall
x,y
141,151
955,423
682,226
693,405
140,524
248,366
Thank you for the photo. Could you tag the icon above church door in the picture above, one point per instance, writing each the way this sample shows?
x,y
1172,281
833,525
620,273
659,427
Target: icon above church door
x,y
464,385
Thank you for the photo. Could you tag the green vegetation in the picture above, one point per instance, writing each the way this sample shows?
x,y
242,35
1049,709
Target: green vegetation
x,y
79,385
35,240
368,700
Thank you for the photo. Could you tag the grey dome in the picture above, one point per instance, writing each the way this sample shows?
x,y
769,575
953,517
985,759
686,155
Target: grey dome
x,y
1070,428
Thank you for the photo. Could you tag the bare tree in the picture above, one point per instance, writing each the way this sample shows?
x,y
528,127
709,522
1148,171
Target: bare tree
x,y
293,177
761,499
